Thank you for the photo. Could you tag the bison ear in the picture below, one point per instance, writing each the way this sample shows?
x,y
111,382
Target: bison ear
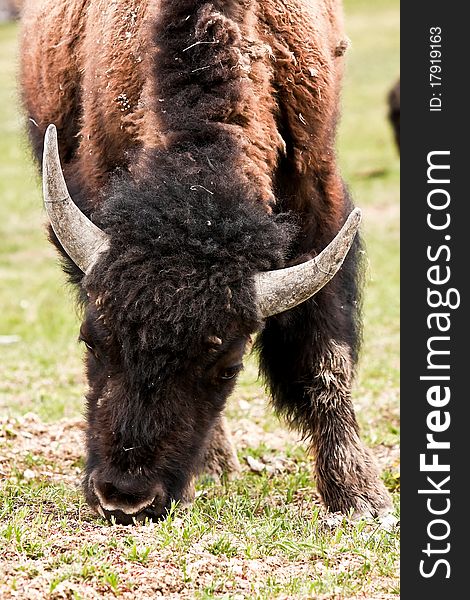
x,y
281,290
81,239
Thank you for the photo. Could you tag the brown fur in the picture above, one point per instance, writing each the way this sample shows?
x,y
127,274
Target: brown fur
x,y
96,88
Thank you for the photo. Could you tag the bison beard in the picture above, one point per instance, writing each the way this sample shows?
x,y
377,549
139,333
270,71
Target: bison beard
x,y
199,138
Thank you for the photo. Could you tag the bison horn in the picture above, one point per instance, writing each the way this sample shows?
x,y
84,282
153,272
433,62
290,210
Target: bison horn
x,y
81,239
284,289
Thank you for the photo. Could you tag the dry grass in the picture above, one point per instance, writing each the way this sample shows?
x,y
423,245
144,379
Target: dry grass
x,y
262,536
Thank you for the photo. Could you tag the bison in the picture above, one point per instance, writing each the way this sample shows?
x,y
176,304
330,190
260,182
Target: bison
x,y
10,9
196,209
393,100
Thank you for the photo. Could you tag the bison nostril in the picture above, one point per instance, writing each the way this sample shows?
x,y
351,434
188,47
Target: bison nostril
x,y
112,493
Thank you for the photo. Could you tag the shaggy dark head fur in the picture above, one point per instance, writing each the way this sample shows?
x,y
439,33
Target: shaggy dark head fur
x,y
168,313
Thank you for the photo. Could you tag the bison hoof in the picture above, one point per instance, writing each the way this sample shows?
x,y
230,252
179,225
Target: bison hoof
x,y
368,499
384,514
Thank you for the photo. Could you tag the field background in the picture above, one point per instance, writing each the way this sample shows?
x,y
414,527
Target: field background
x,y
261,536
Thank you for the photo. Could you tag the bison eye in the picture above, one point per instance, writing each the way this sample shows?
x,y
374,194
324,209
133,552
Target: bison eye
x,y
89,346
231,372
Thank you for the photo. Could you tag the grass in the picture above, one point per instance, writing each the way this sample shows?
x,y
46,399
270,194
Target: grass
x,y
250,535
262,536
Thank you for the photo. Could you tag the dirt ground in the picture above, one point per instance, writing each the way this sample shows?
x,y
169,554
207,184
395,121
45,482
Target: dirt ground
x,y
60,445
52,453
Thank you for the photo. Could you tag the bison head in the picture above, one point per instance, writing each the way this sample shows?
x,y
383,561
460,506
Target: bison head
x,y
175,282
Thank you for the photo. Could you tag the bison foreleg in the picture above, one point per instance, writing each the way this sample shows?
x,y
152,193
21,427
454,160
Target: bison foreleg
x,y
310,380
220,457
347,476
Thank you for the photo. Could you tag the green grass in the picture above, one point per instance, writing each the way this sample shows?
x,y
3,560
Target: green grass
x,y
262,536
251,534
42,371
